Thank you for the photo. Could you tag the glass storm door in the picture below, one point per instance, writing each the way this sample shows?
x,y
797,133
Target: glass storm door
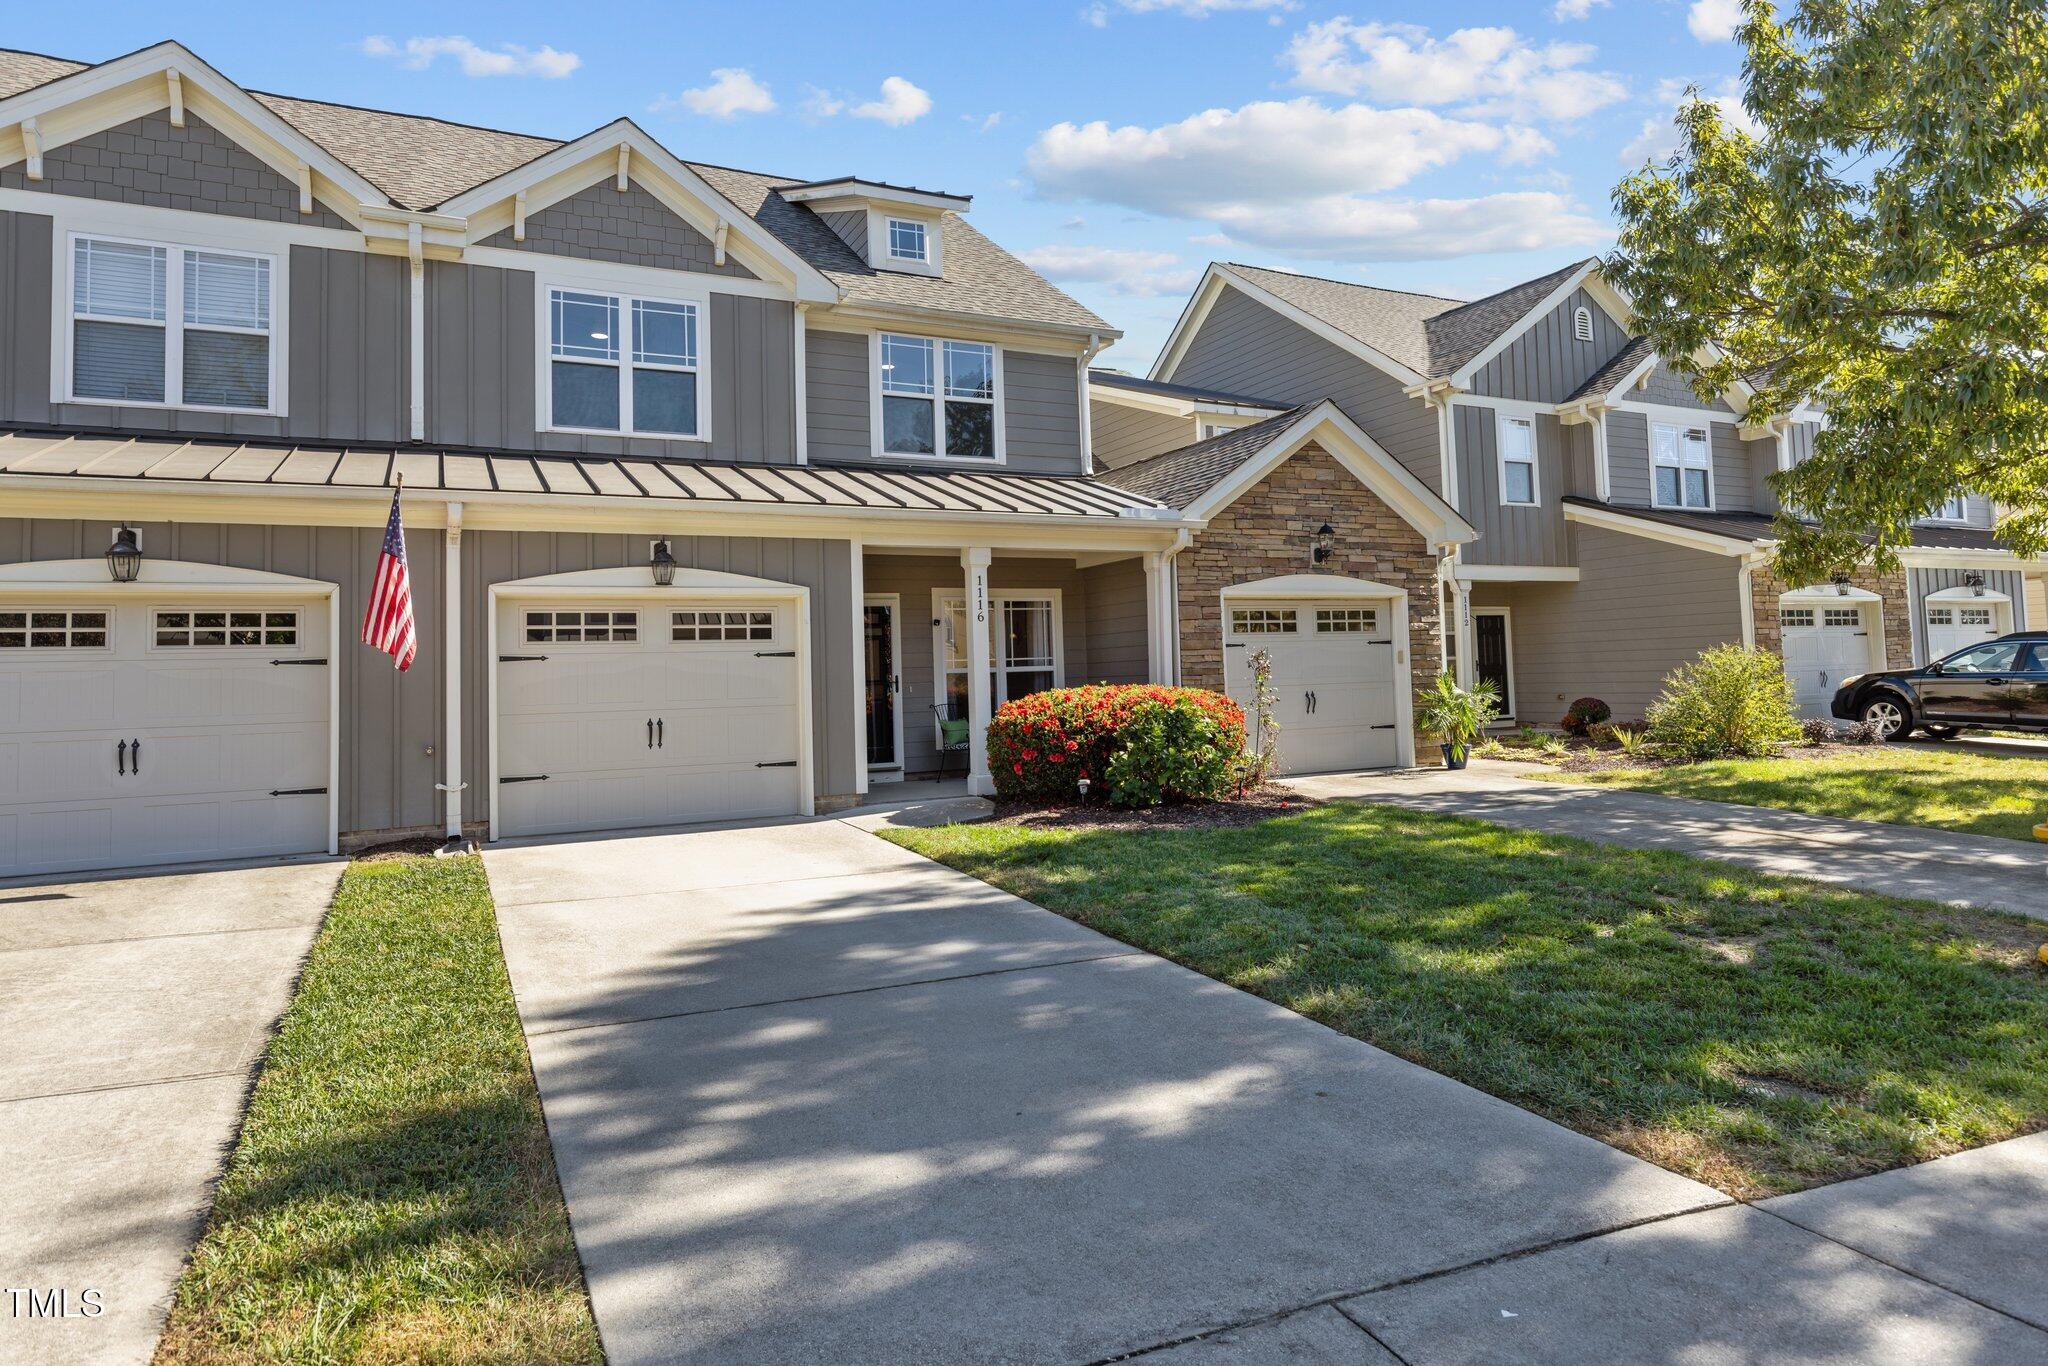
x,y
878,621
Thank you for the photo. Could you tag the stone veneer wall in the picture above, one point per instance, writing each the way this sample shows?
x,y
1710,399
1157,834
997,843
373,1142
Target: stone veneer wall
x,y
1765,587
1267,532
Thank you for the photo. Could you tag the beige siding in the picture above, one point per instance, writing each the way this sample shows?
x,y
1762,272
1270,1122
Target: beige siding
x,y
1124,435
1548,363
1640,609
1243,347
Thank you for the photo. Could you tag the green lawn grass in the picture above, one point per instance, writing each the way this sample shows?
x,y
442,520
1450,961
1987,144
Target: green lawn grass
x,y
1758,1033
1977,794
392,1196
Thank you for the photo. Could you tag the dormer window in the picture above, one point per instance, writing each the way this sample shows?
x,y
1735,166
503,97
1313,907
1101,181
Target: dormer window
x,y
1951,510
908,241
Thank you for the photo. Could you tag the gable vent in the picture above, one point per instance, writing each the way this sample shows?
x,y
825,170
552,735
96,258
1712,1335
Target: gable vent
x,y
1582,324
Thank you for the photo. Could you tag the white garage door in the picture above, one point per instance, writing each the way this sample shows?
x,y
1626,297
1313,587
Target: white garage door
x,y
1334,672
133,735
1822,646
1953,626
619,715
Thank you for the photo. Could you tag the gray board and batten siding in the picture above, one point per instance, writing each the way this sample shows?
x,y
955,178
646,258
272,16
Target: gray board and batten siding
x,y
1243,347
1737,480
1921,582
393,724
346,334
1548,363
1511,534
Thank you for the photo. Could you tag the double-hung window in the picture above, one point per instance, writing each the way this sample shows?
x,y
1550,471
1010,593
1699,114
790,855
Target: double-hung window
x,y
1951,510
1681,466
938,398
908,241
1517,461
1023,647
171,326
622,364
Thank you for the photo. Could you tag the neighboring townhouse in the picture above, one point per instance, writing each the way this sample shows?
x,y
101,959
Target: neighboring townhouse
x,y
1622,523
723,490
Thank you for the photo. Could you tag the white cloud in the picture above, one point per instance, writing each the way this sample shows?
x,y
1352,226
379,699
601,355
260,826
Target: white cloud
x,y
900,103
1484,71
983,122
507,59
1523,146
1352,228
1135,274
733,91
1565,11
1658,137
1714,21
1266,151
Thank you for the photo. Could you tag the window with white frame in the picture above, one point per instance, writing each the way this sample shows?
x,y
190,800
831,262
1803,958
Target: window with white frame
x,y
1795,616
1207,430
172,326
1681,466
583,627
209,628
908,241
703,626
1973,616
622,364
1517,461
1954,509
938,398
53,628
1346,621
1262,621
1842,617
1023,647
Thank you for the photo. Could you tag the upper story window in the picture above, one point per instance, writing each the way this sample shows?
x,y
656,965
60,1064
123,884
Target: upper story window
x,y
938,398
605,379
908,241
1210,429
1954,509
171,326
1681,466
1517,461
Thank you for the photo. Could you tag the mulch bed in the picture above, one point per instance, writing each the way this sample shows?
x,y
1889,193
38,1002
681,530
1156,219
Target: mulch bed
x,y
1257,804
406,848
1605,760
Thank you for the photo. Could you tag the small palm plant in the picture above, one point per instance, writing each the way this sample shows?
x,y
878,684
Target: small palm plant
x,y
1457,716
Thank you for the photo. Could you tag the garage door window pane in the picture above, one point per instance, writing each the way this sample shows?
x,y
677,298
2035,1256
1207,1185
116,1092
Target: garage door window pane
x,y
582,627
1262,621
52,629
248,626
1346,621
709,626
1842,616
1795,616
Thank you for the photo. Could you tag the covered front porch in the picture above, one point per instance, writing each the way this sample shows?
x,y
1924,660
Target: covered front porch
x,y
945,639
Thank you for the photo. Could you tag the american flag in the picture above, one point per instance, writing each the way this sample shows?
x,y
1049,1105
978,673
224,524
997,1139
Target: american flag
x,y
387,622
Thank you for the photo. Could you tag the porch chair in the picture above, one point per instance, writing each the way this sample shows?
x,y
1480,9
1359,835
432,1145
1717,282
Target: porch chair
x,y
953,735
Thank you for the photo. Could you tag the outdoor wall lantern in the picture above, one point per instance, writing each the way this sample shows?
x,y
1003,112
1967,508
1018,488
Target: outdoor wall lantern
x,y
663,563
1325,544
1841,585
1975,581
124,556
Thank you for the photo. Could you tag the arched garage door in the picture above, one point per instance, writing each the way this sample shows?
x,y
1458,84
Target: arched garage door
x,y
1339,665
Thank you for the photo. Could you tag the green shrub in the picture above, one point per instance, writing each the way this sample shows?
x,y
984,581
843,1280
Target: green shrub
x,y
1175,751
1044,744
1731,701
1584,714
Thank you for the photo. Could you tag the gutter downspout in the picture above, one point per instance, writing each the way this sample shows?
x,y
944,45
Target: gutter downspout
x,y
1746,593
1088,355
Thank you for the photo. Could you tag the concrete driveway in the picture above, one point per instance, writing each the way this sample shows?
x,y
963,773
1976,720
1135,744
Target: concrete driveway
x,y
133,1011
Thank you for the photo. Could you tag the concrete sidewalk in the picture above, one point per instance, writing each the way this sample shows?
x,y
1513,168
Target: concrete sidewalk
x,y
1958,870
134,1010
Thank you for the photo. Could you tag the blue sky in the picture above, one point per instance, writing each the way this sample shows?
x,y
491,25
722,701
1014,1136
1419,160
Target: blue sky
x,y
1118,145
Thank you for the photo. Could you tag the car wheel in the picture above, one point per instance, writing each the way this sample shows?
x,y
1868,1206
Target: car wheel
x,y
1888,715
1941,732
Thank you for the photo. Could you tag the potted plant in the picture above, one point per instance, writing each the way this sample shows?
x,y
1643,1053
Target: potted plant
x,y
1457,716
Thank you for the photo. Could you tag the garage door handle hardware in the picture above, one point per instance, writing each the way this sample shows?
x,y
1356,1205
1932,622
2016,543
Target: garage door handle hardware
x,y
775,654
135,758
520,659
121,753
526,778
1233,645
1388,726
781,763
661,732
1309,699
298,791
650,732
1388,641
276,662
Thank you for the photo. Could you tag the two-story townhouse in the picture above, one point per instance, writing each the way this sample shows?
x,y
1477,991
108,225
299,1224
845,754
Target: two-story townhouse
x,y
729,494
1623,522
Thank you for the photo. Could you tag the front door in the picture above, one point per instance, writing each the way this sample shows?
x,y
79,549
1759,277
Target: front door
x,y
884,685
1979,685
1490,656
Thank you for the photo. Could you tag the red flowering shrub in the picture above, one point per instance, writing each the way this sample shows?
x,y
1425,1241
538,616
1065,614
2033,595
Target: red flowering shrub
x,y
1042,745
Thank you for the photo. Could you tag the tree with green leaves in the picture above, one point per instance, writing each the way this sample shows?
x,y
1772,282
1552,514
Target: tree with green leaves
x,y
1875,245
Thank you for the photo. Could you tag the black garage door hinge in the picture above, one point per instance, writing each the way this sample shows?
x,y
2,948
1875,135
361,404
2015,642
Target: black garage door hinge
x,y
526,778
520,659
298,661
782,763
775,654
298,791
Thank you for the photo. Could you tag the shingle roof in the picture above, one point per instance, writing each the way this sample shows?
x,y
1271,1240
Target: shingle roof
x,y
1430,335
1178,477
1116,379
421,163
285,465
1607,376
1761,526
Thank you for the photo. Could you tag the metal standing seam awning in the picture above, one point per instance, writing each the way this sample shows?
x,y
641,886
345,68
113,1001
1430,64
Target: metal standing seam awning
x,y
285,467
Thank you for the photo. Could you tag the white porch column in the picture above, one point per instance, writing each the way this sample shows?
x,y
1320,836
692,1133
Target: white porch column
x,y
1158,619
1461,606
451,670
975,560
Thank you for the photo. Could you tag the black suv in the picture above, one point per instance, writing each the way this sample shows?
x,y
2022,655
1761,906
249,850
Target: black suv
x,y
2000,683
